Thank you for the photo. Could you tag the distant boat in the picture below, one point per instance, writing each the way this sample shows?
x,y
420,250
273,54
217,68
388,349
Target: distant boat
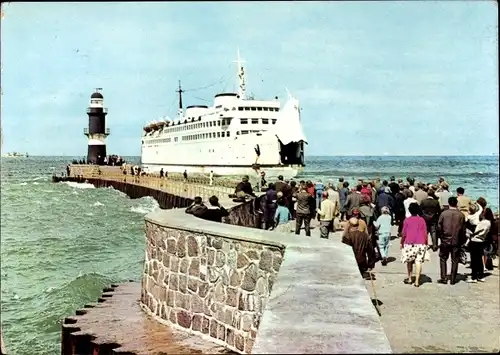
x,y
15,155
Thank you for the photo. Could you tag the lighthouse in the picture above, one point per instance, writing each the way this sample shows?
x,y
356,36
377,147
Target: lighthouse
x,y
96,131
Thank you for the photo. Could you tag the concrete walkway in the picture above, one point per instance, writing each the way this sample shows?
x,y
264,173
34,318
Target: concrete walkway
x,y
434,318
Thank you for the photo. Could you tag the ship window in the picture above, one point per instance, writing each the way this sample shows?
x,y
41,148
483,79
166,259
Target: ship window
x,y
254,108
218,134
259,108
265,121
228,134
274,121
244,132
265,108
218,106
210,124
175,139
240,108
222,134
218,123
244,121
255,120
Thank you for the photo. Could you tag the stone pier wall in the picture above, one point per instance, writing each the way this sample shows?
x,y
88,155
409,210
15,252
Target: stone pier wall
x,y
209,284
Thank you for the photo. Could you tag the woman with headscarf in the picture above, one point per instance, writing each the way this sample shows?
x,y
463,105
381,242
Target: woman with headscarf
x,y
361,244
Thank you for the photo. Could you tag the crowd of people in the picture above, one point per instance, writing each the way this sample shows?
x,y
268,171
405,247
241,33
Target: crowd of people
x,y
111,160
454,222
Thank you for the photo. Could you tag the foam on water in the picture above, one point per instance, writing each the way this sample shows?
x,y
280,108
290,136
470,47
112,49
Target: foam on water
x,y
147,205
77,185
98,204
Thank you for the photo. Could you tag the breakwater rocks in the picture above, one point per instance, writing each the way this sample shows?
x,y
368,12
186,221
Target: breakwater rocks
x,y
210,285
117,325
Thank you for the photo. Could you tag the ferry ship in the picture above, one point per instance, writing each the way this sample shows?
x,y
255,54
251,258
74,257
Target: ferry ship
x,y
237,135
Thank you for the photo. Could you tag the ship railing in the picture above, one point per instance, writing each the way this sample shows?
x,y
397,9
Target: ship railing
x,y
97,109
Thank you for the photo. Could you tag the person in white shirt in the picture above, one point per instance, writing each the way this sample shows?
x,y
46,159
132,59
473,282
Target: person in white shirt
x,y
326,213
409,200
476,246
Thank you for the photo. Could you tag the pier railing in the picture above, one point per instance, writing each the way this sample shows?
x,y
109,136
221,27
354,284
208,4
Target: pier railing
x,y
173,184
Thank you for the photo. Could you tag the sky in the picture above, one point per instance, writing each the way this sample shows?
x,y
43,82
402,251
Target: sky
x,y
373,78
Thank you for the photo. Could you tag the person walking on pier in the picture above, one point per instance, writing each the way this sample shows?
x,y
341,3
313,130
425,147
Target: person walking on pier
x,y
476,246
281,217
270,206
318,188
451,232
211,177
185,174
343,193
68,170
430,212
414,243
303,212
362,246
161,173
326,213
464,202
383,227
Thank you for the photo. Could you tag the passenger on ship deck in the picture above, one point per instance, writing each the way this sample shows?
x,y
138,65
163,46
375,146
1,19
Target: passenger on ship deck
x,y
215,211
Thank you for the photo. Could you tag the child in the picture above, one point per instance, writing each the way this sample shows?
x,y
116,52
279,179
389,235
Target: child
x,y
281,217
383,225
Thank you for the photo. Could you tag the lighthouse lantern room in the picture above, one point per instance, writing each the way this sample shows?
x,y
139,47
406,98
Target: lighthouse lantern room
x,y
96,131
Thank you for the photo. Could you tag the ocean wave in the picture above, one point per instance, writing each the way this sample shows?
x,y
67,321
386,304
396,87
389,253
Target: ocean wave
x,y
83,283
77,185
147,205
98,204
39,178
35,183
23,184
386,174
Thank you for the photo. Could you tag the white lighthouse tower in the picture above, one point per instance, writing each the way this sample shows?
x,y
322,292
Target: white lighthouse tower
x,y
96,131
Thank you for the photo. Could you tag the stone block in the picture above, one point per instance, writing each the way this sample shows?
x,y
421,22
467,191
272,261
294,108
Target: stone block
x,y
261,286
184,319
234,278
166,260
171,246
242,261
183,269
232,255
220,258
194,267
213,328
252,254
183,283
229,336
182,301
181,246
170,298
246,322
161,276
236,320
228,315
173,316
232,296
192,246
213,274
202,289
211,257
225,277
196,304
174,263
277,260
221,332
239,342
270,281
220,292
173,282
217,242
249,345
250,278
193,284
266,260
205,325
197,322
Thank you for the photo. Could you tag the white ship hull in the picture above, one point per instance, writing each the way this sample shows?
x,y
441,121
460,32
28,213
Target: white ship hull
x,y
235,136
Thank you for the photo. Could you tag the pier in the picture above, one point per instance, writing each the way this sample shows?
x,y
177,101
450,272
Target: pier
x,y
231,287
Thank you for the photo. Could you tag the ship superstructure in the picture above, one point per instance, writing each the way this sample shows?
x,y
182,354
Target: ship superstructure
x,y
237,135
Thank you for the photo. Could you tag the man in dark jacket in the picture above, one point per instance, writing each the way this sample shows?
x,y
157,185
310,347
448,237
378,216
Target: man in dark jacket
x,y
215,211
399,207
353,201
430,212
305,202
244,188
385,199
451,231
197,208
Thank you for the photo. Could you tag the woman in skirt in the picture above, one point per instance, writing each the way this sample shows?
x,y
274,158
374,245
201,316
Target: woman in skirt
x,y
414,243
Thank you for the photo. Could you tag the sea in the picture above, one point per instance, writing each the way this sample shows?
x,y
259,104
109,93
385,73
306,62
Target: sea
x,y
62,243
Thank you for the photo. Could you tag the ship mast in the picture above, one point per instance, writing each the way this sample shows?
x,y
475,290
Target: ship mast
x,y
241,77
180,91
